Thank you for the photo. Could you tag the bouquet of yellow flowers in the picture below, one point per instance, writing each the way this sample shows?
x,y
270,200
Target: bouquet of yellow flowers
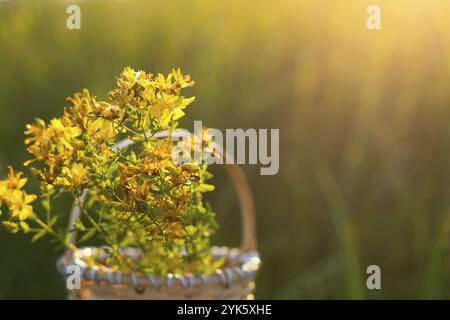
x,y
136,197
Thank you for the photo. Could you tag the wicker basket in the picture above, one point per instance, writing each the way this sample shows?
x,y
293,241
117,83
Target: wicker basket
x,y
234,281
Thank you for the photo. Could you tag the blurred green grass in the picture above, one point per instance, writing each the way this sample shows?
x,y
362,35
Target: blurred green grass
x,y
365,141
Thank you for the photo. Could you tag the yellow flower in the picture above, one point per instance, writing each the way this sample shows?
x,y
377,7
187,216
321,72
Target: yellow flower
x,y
15,180
81,104
79,174
18,204
74,177
169,107
37,132
59,136
63,132
101,131
143,94
17,200
163,83
183,81
108,111
129,78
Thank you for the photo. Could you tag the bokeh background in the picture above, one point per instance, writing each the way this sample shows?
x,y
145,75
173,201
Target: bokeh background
x,y
364,117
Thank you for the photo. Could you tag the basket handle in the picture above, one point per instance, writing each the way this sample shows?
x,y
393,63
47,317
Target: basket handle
x,y
238,177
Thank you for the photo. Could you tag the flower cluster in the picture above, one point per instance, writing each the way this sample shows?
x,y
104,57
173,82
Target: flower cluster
x,y
138,196
17,201
67,145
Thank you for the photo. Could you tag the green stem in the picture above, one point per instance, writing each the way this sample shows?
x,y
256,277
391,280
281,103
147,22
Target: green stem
x,y
53,233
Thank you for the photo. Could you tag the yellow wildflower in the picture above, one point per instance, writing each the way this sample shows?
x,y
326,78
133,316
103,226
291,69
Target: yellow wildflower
x,y
182,81
73,177
101,131
130,78
79,175
15,180
19,204
17,200
63,133
81,104
169,107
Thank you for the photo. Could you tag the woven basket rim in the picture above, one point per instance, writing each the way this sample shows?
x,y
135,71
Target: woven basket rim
x,y
244,268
